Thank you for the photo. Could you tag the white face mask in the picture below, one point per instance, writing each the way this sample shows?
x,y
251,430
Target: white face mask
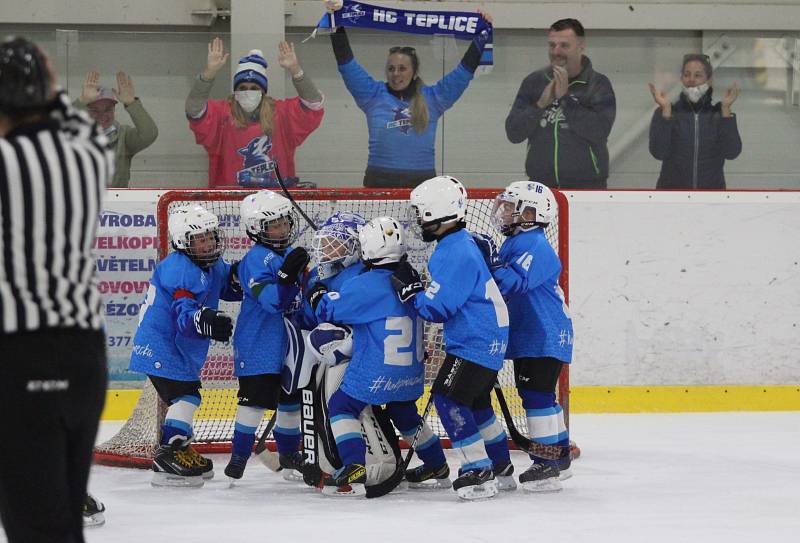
x,y
248,99
110,131
693,94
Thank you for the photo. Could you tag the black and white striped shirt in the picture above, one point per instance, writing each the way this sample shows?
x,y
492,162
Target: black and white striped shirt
x,y
52,179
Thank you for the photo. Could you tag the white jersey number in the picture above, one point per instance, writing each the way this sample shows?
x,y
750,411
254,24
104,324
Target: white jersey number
x,y
393,343
148,301
500,309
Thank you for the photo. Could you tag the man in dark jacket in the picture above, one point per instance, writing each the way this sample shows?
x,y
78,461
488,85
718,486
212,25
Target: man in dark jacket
x,y
694,137
565,111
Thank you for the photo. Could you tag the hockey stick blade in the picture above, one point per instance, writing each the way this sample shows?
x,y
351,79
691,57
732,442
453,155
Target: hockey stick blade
x,y
288,194
550,452
394,480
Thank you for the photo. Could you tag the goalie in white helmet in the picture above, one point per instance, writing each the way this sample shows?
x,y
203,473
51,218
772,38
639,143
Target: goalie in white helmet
x,y
177,321
526,270
271,274
387,365
463,296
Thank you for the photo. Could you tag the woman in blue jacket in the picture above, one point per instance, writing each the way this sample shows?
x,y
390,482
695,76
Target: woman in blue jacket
x,y
402,112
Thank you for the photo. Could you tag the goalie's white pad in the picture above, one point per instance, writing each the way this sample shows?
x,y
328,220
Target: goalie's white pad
x,y
299,362
380,460
331,344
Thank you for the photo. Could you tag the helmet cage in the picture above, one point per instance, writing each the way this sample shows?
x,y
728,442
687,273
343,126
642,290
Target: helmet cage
x,y
334,247
207,258
279,242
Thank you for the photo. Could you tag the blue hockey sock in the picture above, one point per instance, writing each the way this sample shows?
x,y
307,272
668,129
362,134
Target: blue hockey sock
x,y
346,427
244,433
465,437
178,420
545,419
287,428
494,437
405,417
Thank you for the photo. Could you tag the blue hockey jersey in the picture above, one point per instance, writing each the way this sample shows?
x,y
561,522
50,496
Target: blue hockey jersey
x,y
393,142
463,295
166,343
260,340
540,321
309,320
388,339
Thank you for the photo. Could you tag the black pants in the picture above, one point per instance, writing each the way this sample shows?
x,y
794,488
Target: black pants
x,y
383,179
52,390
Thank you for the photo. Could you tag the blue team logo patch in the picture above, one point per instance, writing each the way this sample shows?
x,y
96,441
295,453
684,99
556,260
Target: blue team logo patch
x,y
258,168
402,119
352,12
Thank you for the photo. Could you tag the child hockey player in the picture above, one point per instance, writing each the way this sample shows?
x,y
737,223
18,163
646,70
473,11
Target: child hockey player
x,y
177,321
540,333
463,296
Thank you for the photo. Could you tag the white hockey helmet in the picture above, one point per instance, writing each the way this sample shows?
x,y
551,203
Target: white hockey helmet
x,y
195,232
523,205
382,241
335,245
440,200
270,219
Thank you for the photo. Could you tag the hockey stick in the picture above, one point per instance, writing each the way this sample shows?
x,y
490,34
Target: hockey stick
x,y
311,223
266,456
550,452
394,480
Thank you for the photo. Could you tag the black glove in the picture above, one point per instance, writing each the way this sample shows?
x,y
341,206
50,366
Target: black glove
x,y
314,296
214,324
294,263
235,285
406,281
489,249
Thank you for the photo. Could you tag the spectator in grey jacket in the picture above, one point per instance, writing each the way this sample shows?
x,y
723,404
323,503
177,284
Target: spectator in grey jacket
x,y
126,140
693,137
565,112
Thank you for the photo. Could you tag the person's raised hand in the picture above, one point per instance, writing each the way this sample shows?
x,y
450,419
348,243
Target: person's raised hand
x,y
547,96
124,91
486,15
728,99
287,58
661,100
217,57
90,91
561,80
332,5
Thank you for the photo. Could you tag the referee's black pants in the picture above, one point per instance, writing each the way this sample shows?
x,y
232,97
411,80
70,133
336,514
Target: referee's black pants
x,y
52,390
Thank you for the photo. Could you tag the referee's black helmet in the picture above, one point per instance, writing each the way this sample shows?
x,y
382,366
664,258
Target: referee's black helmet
x,y
24,76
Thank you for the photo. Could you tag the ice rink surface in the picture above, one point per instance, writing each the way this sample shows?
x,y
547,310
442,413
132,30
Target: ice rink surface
x,y
646,478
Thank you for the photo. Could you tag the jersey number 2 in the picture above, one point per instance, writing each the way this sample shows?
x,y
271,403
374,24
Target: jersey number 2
x,y
393,343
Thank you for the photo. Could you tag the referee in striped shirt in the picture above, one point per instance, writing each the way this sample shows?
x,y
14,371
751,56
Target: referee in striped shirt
x,y
54,167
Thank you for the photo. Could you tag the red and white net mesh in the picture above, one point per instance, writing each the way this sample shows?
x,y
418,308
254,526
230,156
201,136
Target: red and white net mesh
x,y
135,443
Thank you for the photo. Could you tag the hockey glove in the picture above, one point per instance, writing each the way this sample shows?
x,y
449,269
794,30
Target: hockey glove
x,y
406,281
314,296
214,324
294,263
489,249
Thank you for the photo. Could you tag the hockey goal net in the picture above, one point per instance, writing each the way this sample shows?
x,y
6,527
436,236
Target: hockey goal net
x,y
136,441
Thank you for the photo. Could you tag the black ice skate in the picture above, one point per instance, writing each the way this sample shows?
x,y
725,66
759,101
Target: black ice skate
x,y
92,510
504,475
429,478
476,484
541,478
292,465
235,467
564,463
205,464
173,466
347,481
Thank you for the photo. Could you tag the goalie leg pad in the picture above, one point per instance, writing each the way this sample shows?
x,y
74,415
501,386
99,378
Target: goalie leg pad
x,y
298,366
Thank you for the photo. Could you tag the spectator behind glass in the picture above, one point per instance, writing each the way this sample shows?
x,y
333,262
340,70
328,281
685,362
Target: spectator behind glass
x,y
565,112
402,113
125,140
694,137
247,134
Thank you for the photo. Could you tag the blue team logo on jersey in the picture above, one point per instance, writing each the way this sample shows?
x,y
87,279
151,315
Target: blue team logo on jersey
x,y
402,119
258,168
352,12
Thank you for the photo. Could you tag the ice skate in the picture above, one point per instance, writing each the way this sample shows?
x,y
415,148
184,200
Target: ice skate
x,y
348,481
504,475
92,510
205,464
428,478
476,484
236,466
173,466
541,478
292,465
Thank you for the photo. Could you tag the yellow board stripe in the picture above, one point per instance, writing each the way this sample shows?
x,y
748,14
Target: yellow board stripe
x,y
595,399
